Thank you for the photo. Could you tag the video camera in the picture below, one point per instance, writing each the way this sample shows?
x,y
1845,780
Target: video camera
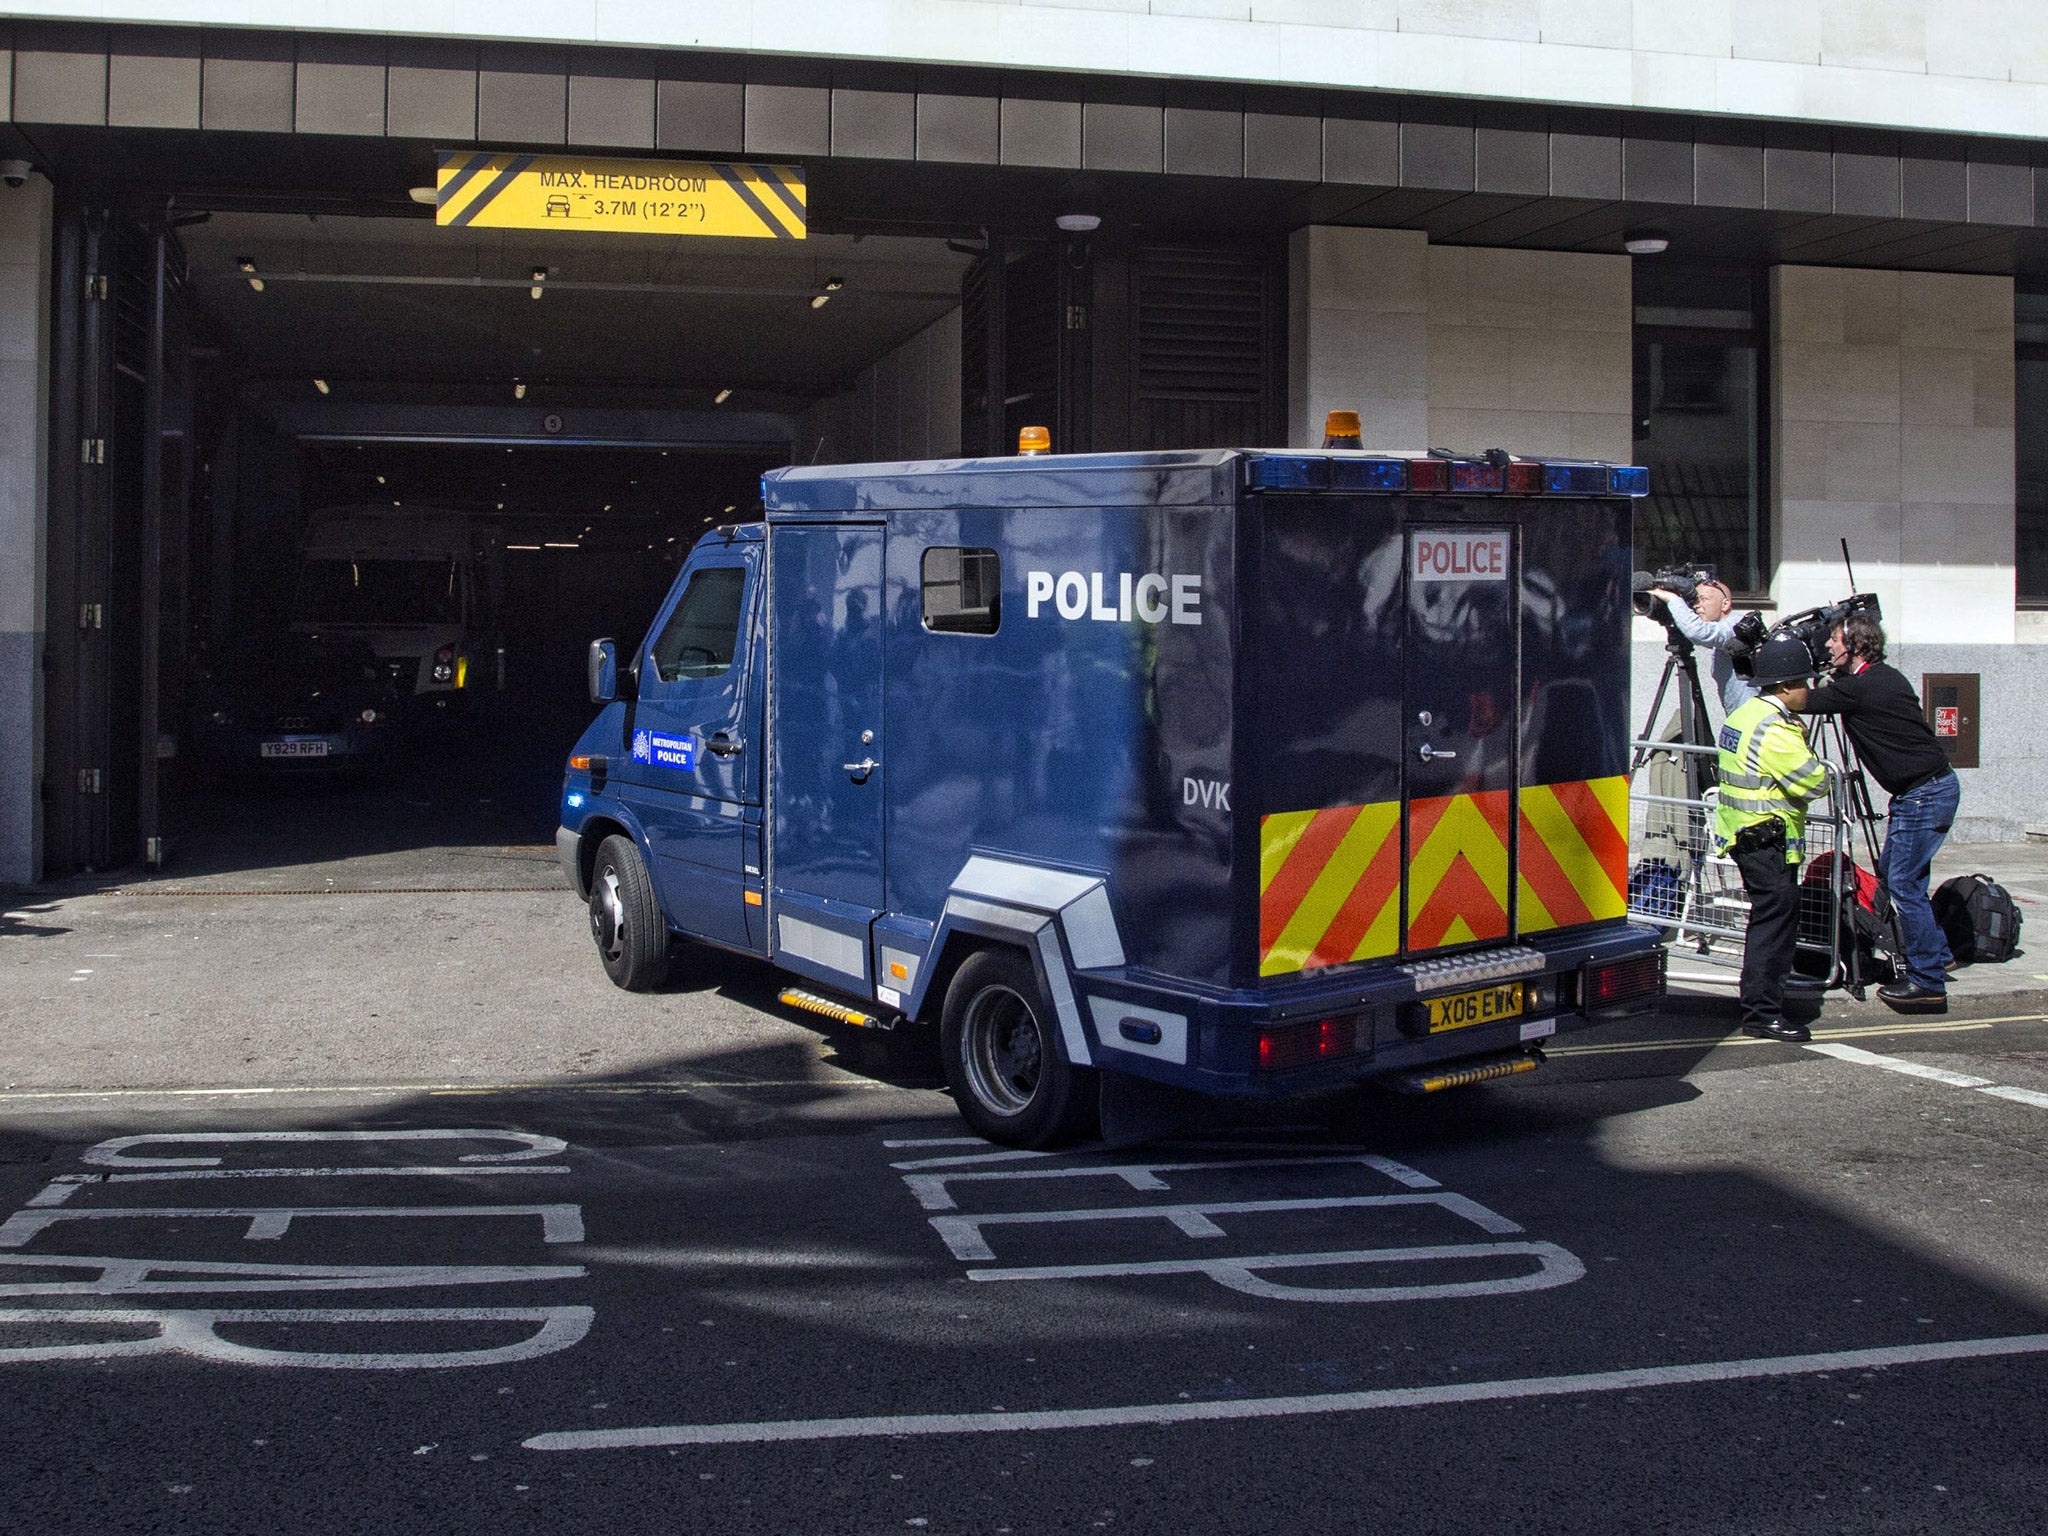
x,y
1810,628
1684,580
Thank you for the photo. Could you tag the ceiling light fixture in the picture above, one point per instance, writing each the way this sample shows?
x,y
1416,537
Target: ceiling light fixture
x,y
540,275
832,286
431,196
518,390
321,385
1079,223
1646,242
718,399
246,265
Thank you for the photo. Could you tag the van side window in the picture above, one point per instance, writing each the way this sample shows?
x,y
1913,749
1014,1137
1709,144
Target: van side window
x,y
963,591
703,632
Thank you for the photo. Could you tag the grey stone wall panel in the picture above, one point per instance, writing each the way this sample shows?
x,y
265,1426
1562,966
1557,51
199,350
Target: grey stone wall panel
x,y
706,117
874,125
156,90
1798,180
1282,147
1512,161
430,103
1585,165
611,111
788,120
1935,189
337,94
522,95
960,129
1728,175
2000,193
60,87
1041,133
1657,170
1117,136
1202,141
1437,156
1867,186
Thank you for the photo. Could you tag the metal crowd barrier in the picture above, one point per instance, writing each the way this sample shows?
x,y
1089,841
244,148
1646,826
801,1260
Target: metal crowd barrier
x,y
1677,881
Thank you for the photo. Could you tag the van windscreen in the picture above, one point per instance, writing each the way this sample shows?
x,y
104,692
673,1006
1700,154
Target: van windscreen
x,y
338,590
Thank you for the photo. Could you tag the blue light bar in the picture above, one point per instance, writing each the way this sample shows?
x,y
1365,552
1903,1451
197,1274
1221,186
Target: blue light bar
x,y
1368,475
1577,479
1274,473
1631,480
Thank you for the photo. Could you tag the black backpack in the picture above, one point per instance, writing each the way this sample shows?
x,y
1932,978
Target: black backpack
x,y
1981,921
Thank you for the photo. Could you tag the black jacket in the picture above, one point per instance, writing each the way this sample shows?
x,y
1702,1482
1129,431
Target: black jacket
x,y
1886,726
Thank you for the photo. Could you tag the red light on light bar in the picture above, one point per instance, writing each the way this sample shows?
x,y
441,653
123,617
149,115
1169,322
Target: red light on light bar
x,y
1299,1045
1476,477
1525,479
1429,475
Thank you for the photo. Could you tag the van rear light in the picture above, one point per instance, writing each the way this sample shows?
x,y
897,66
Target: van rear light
x,y
1622,984
1429,475
1282,1046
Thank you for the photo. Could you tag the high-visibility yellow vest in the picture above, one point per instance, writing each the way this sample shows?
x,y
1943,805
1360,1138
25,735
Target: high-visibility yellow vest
x,y
1767,770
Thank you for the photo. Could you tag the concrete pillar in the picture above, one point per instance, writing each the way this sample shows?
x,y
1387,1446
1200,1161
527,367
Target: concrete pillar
x,y
1892,418
25,229
1459,347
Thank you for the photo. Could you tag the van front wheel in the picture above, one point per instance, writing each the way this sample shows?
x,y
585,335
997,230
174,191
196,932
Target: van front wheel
x,y
625,918
1002,1059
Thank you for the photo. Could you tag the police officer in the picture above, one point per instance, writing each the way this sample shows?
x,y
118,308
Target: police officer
x,y
1894,741
1768,777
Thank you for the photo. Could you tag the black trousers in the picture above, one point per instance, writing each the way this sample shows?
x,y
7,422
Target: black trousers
x,y
1772,939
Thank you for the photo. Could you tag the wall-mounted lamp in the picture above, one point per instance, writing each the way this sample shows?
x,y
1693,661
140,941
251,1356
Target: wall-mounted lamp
x,y
246,265
720,398
1079,223
518,389
540,276
1646,242
321,385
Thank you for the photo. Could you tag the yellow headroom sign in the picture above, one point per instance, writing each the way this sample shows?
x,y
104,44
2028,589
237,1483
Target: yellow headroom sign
x,y
481,190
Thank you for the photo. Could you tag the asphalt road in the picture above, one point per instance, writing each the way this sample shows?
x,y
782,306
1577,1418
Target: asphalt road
x,y
385,1212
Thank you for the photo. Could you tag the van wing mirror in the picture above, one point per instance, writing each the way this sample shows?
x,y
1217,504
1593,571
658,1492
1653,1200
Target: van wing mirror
x,y
604,672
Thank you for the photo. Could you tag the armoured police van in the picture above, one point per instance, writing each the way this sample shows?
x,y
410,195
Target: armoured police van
x,y
1248,772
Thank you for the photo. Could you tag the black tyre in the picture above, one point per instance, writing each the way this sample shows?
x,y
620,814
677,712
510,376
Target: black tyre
x,y
998,1037
625,919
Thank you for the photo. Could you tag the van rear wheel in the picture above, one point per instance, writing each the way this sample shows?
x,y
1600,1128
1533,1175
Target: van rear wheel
x,y
625,919
1002,1059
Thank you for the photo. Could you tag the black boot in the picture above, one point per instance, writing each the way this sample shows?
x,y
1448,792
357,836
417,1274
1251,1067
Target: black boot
x,y
1779,1029
1911,997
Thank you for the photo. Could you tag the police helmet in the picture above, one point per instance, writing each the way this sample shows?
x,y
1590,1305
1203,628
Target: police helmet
x,y
1781,659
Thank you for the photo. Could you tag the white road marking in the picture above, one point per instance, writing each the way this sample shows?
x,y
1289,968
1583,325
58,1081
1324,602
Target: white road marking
x,y
133,1277
1555,1266
933,1195
938,1141
1714,1042
113,1154
65,1185
886,1425
1896,1064
964,1236
558,1223
192,1333
442,1090
972,1157
2031,1096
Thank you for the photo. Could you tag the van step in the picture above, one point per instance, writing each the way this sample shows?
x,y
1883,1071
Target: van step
x,y
1484,1070
838,1012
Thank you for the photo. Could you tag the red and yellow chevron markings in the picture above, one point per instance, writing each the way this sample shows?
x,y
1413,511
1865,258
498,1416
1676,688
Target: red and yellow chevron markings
x,y
1329,886
1574,856
1457,869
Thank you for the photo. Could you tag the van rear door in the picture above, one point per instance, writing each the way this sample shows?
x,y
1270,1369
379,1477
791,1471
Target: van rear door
x,y
827,768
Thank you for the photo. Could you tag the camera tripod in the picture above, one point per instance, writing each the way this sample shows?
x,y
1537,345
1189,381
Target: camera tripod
x,y
1681,662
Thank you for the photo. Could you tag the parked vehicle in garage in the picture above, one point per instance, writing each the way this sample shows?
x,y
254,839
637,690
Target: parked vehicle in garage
x,y
1251,773
302,704
414,586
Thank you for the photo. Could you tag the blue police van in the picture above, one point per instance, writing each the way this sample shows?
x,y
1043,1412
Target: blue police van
x,y
1247,772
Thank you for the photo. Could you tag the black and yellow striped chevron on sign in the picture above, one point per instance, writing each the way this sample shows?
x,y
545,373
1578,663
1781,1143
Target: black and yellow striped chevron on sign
x,y
480,189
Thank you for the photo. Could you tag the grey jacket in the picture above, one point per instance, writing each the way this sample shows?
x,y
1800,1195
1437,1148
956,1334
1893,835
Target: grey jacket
x,y
1717,637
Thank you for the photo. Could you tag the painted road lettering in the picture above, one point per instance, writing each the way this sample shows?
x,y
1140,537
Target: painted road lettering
x,y
1511,1262
438,1337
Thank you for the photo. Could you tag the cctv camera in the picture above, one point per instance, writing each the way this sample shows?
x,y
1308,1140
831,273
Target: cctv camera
x,y
15,172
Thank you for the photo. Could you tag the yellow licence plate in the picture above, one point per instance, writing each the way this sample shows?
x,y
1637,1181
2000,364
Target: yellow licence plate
x,y
1481,1006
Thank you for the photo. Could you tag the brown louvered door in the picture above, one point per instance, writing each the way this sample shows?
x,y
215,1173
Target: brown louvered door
x,y
1202,344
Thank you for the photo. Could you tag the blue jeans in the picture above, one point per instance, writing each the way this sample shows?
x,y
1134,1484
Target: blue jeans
x,y
1914,829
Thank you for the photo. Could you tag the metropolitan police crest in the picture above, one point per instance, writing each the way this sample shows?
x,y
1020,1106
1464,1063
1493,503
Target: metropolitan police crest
x,y
643,748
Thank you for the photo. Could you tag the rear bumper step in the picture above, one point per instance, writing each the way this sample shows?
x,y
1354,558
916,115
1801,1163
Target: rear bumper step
x,y
1464,1074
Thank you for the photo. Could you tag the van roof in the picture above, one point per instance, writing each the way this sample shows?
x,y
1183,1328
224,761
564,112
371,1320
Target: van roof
x,y
1184,478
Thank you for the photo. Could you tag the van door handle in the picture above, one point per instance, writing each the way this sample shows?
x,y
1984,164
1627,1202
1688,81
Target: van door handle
x,y
861,769
722,745
1431,754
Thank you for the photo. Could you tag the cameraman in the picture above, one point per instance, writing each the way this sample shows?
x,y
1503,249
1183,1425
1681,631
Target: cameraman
x,y
1707,621
1768,777
1893,740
